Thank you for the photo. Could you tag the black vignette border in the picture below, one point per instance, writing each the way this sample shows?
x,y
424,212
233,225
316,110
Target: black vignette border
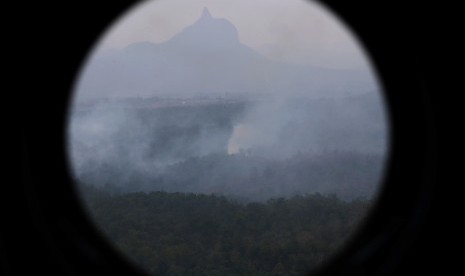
x,y
399,37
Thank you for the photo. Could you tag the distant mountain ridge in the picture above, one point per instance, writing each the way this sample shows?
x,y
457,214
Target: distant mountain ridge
x,y
207,57
200,33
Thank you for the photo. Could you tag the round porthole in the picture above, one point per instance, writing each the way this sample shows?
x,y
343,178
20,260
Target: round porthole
x,y
228,138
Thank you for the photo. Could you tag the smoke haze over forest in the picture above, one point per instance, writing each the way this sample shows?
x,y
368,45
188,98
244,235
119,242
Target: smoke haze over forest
x,y
204,105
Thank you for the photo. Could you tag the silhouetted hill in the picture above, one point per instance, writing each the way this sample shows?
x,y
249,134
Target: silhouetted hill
x,y
208,57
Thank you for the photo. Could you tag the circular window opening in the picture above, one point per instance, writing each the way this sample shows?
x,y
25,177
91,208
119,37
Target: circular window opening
x,y
228,137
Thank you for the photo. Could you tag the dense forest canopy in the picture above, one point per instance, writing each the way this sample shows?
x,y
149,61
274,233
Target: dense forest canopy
x,y
197,234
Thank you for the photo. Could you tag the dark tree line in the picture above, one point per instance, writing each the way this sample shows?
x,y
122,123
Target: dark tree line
x,y
197,234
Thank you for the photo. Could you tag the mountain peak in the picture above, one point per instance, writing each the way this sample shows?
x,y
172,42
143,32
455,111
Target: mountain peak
x,y
206,14
208,33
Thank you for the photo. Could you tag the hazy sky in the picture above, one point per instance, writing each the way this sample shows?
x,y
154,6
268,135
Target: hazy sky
x,y
296,31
